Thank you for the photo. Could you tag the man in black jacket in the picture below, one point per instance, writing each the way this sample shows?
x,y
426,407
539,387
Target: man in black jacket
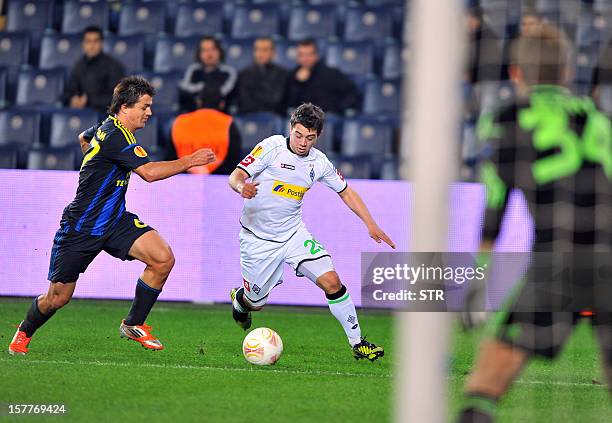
x,y
261,86
313,81
94,75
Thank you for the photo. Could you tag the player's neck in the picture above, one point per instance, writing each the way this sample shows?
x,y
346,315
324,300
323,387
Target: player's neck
x,y
124,122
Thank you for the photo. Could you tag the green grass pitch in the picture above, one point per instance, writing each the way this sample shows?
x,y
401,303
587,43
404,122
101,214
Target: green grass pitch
x,y
77,359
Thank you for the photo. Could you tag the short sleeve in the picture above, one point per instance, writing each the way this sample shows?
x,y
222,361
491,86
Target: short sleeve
x,y
88,134
332,177
125,153
258,159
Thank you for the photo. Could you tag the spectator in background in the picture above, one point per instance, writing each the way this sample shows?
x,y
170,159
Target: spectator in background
x,y
261,86
314,82
209,127
486,59
93,76
207,74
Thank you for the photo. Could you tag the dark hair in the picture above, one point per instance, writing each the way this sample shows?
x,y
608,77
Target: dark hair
x,y
310,116
128,91
265,39
93,28
217,44
542,55
308,42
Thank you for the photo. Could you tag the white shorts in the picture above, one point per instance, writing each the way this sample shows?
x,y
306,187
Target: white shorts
x,y
261,261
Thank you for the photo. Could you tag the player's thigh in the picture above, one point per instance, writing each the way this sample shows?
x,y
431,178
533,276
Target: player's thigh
x,y
261,266
71,254
132,239
308,257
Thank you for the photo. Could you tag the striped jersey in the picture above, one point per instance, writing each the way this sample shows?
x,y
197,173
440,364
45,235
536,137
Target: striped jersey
x,y
275,213
557,149
104,177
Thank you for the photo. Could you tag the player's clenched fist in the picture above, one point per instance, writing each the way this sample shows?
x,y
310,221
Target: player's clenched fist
x,y
202,157
248,190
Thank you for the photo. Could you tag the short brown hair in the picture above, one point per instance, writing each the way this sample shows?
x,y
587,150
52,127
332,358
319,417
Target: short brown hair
x,y
128,91
542,55
309,116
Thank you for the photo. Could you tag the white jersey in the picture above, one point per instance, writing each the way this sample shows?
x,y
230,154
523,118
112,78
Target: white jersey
x,y
275,213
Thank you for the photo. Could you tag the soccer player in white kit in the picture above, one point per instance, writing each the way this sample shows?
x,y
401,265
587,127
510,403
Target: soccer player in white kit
x,y
281,170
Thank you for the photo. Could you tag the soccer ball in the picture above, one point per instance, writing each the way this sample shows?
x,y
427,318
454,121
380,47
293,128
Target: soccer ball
x,y
262,346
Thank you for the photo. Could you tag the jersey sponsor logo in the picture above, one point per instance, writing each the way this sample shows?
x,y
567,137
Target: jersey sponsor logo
x,y
140,152
100,135
287,166
257,151
340,175
312,174
139,224
247,160
283,189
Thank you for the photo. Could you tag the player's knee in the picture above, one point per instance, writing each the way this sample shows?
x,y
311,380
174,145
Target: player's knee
x,y
164,262
330,282
58,301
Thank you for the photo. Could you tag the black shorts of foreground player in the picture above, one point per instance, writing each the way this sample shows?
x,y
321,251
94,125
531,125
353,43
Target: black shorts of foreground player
x,y
96,220
281,171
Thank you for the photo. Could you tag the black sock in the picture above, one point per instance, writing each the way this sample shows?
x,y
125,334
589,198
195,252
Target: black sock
x,y
479,408
143,303
240,299
34,319
336,295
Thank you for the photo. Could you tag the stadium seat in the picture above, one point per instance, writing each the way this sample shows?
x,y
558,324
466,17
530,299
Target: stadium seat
x,y
39,86
389,169
28,15
166,90
239,53
367,135
128,50
310,21
52,159
199,19
356,167
605,98
382,98
352,58
255,20
142,17
20,128
368,23
586,60
174,54
60,51
489,94
255,127
78,15
9,156
14,49
148,136
3,87
67,124
392,60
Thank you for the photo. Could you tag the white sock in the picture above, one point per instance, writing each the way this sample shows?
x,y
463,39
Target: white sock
x,y
343,309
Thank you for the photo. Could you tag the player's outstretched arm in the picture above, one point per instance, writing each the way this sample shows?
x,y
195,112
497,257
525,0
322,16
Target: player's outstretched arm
x,y
238,182
355,203
156,171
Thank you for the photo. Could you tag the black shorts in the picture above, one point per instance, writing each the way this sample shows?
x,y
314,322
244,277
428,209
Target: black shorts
x,y
73,251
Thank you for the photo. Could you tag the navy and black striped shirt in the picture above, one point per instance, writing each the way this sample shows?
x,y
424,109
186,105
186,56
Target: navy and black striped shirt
x,y
104,177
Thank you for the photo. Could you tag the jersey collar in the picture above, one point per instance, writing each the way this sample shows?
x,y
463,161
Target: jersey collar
x,y
310,155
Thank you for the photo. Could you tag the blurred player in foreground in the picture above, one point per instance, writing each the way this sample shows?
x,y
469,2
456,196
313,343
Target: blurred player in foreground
x,y
96,220
557,149
282,170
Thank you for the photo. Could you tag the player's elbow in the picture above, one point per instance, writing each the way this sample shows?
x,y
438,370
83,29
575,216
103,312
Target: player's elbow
x,y
146,174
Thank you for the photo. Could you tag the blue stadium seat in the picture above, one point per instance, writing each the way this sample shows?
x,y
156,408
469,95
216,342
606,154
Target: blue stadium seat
x,y
28,15
128,50
256,20
67,124
142,17
52,159
382,98
327,140
239,53
605,98
60,51
166,90
368,23
78,15
39,86
586,60
148,137
255,127
366,135
489,94
174,54
392,61
14,49
355,167
310,21
389,169
9,157
199,19
352,58
19,127
3,88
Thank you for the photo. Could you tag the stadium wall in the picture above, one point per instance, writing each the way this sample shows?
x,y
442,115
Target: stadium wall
x,y
198,216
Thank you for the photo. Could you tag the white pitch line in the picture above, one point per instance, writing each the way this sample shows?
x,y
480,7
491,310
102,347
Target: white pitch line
x,y
281,371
